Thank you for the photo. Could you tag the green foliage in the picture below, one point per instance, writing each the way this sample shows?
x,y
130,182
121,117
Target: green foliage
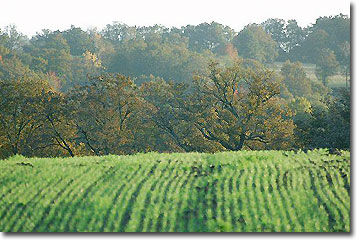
x,y
345,59
168,110
79,41
19,117
82,67
171,61
12,68
172,54
208,36
51,54
338,29
254,43
104,111
332,124
11,38
326,65
48,103
296,80
247,191
302,109
327,33
287,34
326,124
239,106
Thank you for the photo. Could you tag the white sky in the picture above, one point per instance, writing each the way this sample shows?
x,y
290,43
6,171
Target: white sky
x,y
32,16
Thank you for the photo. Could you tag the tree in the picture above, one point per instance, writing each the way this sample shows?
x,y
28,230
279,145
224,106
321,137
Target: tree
x,y
167,111
238,106
118,32
12,68
19,116
296,80
288,35
165,100
254,43
345,59
338,29
276,29
105,110
79,41
208,36
58,129
314,44
82,67
104,49
327,33
169,60
302,117
295,35
327,124
326,65
50,54
12,38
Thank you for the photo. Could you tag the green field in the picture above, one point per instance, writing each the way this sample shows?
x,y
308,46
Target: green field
x,y
335,81
230,191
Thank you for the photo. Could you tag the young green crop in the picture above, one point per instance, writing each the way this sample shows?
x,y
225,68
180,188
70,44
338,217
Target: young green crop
x,y
247,191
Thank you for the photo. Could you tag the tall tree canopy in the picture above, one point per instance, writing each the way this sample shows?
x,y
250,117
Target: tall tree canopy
x,y
238,106
327,33
296,80
326,65
254,43
208,36
287,34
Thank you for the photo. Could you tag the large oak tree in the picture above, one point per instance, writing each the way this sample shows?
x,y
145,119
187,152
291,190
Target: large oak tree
x,y
239,106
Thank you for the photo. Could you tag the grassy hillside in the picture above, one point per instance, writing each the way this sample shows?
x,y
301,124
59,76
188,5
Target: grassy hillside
x,y
231,191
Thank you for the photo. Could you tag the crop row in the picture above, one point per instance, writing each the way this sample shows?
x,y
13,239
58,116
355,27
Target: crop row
x,y
234,191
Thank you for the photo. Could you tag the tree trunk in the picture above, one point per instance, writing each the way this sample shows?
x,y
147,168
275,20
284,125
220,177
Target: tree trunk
x,y
240,145
70,152
14,149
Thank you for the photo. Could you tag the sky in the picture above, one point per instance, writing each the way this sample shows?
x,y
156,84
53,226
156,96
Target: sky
x,y
33,16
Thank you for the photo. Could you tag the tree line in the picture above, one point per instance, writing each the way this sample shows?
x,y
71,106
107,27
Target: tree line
x,y
204,88
65,58
242,106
